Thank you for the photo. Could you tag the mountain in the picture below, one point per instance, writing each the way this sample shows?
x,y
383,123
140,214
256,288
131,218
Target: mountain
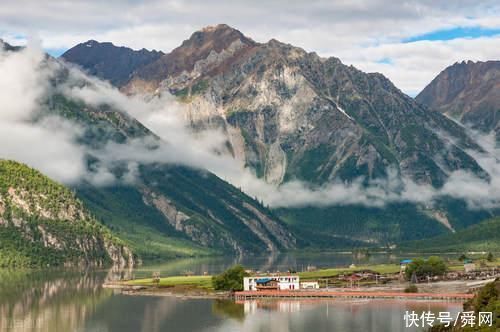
x,y
292,115
166,210
468,92
212,45
108,62
42,223
7,47
484,236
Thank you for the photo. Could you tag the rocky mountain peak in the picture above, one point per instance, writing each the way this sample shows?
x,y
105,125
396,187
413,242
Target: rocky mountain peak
x,y
7,47
205,51
210,39
217,36
467,91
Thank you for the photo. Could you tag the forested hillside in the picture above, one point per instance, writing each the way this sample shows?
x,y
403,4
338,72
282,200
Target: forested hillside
x,y
484,236
42,223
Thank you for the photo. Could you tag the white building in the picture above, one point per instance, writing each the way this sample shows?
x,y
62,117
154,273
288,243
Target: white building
x,y
309,285
277,282
469,267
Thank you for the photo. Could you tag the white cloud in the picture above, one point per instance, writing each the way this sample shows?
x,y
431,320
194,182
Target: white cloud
x,y
414,65
48,145
353,30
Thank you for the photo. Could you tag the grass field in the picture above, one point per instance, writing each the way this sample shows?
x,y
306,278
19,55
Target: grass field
x,y
204,282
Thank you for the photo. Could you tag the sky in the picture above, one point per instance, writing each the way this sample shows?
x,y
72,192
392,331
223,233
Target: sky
x,y
408,41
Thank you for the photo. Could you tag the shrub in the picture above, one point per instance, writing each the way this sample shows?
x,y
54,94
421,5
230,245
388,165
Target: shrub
x,y
411,289
231,279
425,268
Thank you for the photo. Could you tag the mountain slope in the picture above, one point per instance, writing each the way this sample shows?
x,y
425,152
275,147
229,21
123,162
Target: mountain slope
x,y
193,207
42,223
484,236
291,115
469,92
108,62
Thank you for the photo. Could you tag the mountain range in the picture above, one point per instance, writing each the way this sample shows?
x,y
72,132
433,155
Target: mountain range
x,y
288,116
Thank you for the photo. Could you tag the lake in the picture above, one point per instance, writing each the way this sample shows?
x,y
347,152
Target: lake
x,y
61,300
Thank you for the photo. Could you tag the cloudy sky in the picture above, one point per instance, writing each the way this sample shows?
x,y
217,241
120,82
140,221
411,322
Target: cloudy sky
x,y
409,41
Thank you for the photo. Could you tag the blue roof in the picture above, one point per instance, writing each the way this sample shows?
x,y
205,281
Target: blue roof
x,y
263,280
406,261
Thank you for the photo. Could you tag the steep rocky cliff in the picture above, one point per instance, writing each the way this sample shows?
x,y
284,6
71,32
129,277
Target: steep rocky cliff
x,y
469,92
43,223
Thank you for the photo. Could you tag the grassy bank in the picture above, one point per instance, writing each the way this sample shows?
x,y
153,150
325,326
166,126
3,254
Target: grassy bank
x,y
193,282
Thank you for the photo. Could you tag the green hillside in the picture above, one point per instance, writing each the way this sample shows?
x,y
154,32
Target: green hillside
x,y
42,223
341,226
484,236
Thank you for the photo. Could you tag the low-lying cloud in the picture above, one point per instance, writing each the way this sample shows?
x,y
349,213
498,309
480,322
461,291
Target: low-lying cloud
x,y
47,145
50,145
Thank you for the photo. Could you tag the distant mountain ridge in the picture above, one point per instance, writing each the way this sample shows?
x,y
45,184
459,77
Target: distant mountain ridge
x,y
468,92
108,62
7,47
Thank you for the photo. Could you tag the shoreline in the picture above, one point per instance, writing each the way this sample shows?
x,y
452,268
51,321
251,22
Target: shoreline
x,y
173,291
334,293
322,294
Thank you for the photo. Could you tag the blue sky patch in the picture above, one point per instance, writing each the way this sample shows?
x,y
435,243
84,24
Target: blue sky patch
x,y
55,52
385,61
454,33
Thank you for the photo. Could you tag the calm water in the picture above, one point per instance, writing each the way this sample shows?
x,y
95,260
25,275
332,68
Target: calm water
x,y
75,301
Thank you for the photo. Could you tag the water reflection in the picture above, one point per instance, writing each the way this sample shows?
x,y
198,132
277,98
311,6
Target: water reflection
x,y
58,300
340,315
273,262
48,300
230,309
